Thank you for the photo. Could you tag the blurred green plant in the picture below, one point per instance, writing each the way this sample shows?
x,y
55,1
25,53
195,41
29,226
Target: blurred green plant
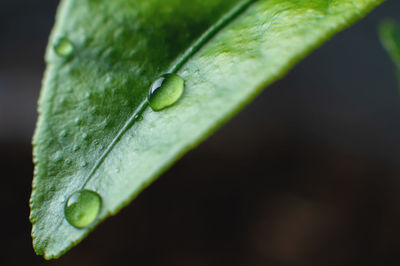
x,y
97,144
389,33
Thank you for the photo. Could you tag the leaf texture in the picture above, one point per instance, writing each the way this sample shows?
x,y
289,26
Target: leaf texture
x,y
227,51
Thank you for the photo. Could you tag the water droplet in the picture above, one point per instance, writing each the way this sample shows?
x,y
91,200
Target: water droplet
x,y
78,120
85,136
64,47
165,91
138,117
88,95
62,100
84,163
75,148
82,208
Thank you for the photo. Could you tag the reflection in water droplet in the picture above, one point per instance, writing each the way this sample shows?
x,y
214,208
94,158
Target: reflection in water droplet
x,y
64,47
165,91
82,208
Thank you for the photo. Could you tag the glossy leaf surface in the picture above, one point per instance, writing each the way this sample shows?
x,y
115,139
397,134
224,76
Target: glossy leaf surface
x,y
227,51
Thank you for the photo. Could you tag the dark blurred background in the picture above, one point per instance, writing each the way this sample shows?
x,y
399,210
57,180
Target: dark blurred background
x,y
308,174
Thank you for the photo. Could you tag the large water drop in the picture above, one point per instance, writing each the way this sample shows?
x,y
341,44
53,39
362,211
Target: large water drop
x,y
165,91
82,208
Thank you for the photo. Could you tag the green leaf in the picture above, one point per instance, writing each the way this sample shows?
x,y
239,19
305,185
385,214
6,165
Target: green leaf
x,y
106,56
389,33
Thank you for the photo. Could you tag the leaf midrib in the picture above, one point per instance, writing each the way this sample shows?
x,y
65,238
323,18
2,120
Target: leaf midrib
x,y
235,12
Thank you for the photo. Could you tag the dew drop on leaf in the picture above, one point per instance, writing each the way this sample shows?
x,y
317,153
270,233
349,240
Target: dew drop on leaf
x,y
82,208
64,47
165,91
138,117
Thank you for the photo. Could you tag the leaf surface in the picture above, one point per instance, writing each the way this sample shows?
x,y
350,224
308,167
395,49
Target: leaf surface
x,y
227,51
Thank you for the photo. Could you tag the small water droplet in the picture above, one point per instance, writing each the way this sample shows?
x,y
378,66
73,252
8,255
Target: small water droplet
x,y
85,136
62,100
84,163
64,47
82,208
75,148
165,91
88,95
78,120
138,117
